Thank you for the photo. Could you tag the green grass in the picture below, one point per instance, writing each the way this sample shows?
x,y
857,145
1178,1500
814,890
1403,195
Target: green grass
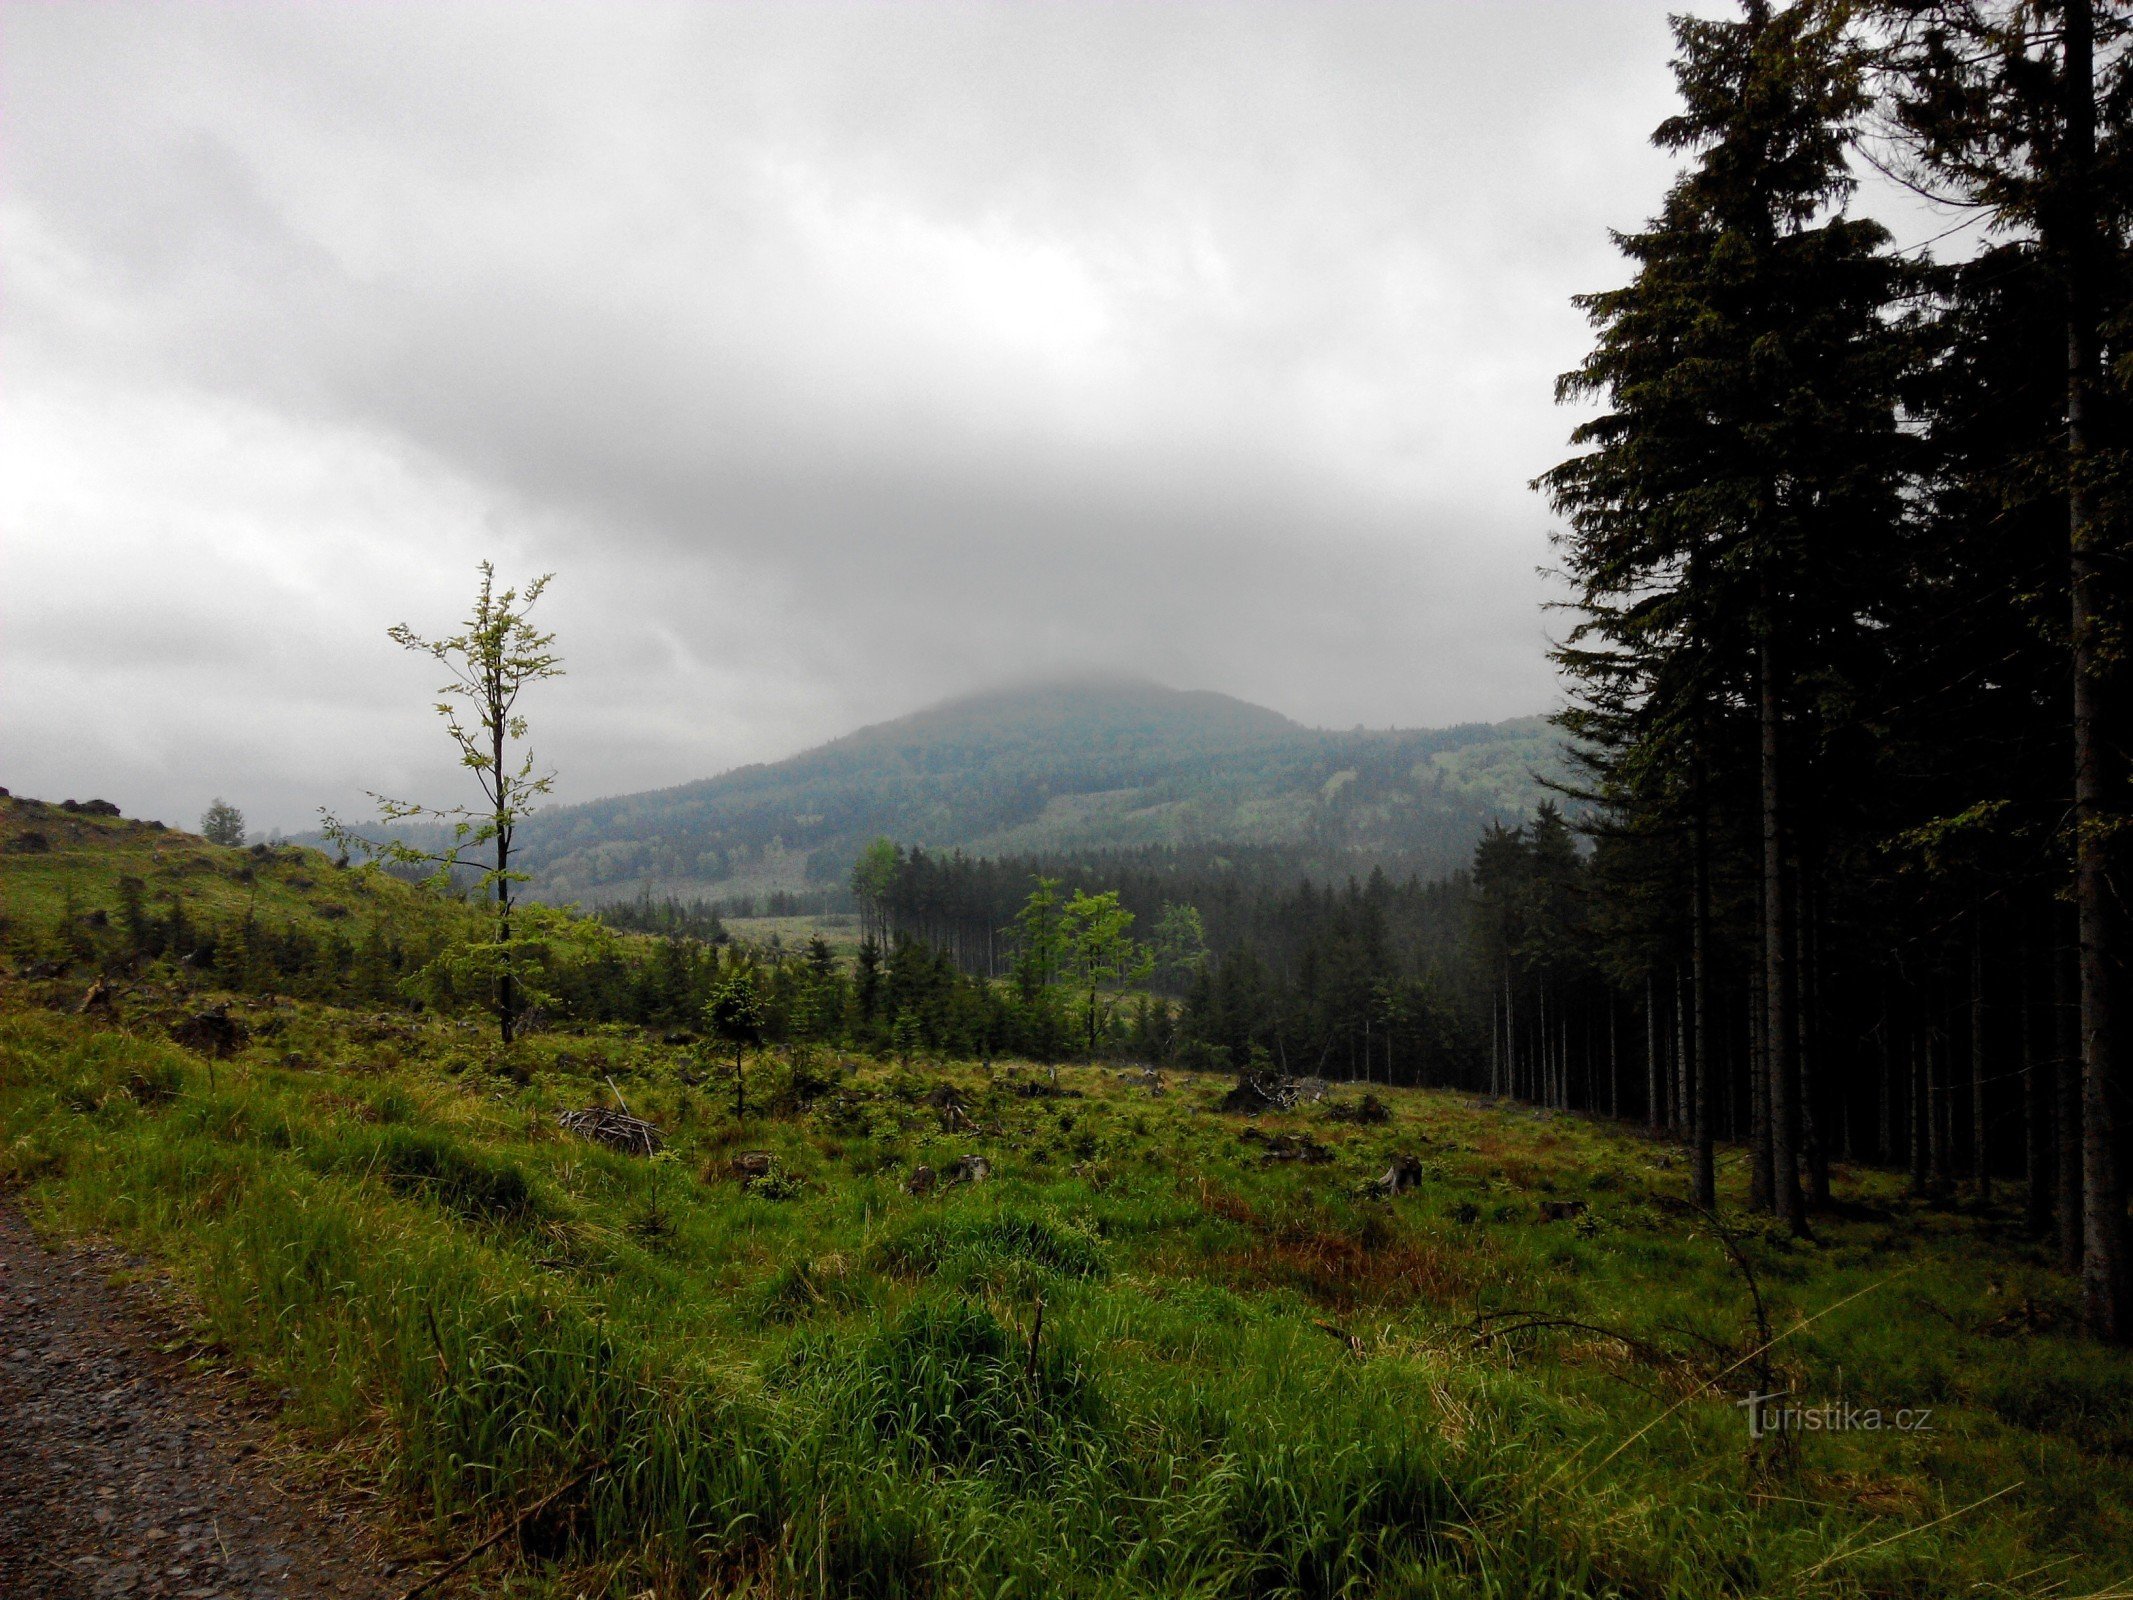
x,y
839,930
56,861
1138,1360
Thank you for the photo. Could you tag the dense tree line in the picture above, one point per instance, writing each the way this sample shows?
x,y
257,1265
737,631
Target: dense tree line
x,y
1846,537
1250,960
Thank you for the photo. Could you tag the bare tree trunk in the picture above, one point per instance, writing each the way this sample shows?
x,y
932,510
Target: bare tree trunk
x,y
1814,1149
1940,1150
1980,1151
1652,1106
1761,1183
1614,1059
1779,1021
1495,1049
1704,1178
1541,1084
2036,1103
1510,1035
2066,1079
1682,1064
506,987
2107,1285
1885,1122
1921,1116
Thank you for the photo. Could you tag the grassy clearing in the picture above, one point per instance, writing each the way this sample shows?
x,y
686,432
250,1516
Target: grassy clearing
x,y
65,867
1139,1358
840,931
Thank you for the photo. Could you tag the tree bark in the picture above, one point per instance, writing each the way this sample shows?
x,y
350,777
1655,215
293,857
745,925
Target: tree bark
x,y
1921,1108
1939,1111
2066,1079
2037,1142
1704,1185
1885,1120
1540,1087
1614,1059
1814,1148
1510,1034
1781,1051
1652,1094
1980,1147
1760,1180
1495,1050
1679,1123
2107,1292
506,987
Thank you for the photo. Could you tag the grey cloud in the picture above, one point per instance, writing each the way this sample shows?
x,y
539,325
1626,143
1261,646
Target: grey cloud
x,y
837,357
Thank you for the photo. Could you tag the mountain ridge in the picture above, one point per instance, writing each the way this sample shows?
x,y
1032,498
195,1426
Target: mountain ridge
x,y
1071,766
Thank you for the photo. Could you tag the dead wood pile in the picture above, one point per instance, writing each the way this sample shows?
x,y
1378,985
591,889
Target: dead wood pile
x,y
1404,1174
964,1169
1272,1091
618,1130
1288,1147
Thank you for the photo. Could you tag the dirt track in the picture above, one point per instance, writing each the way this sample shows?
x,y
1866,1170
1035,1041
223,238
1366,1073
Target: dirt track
x,y
125,1472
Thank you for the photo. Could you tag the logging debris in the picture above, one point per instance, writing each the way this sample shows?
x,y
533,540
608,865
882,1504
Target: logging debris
x,y
1405,1173
618,1130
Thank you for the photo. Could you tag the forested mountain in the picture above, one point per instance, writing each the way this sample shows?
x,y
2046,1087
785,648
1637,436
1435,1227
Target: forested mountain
x,y
1057,769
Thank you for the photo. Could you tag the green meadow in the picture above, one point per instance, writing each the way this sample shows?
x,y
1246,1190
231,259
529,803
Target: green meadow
x,y
1137,1358
1157,1347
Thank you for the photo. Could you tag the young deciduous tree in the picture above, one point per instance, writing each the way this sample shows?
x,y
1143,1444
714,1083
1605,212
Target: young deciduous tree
x,y
1096,937
735,1012
222,823
489,664
1180,942
873,881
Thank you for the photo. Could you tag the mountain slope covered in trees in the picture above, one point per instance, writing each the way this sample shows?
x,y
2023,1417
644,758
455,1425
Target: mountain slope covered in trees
x,y
1048,770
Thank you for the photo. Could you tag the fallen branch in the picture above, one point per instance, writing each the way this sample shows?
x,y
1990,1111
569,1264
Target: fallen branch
x,y
1650,1352
508,1529
1354,1344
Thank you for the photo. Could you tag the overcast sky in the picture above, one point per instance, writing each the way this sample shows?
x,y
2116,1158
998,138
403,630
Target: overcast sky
x,y
837,358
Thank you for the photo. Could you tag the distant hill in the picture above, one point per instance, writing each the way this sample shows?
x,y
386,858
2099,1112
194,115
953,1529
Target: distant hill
x,y
1056,769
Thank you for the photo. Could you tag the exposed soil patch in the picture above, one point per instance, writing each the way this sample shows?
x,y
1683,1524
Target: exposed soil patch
x,y
124,1471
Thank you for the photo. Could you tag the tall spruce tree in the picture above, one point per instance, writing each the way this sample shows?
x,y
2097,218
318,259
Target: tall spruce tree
x,y
2021,108
1733,497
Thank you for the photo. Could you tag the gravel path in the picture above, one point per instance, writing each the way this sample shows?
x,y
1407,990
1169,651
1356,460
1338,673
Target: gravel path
x,y
124,1472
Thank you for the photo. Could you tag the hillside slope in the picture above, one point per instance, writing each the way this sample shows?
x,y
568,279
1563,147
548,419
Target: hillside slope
x,y
67,872
1057,768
